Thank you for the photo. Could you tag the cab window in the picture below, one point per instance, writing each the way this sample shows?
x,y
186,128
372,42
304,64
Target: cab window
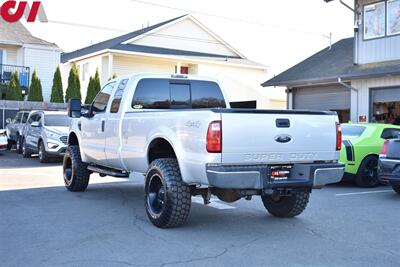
x,y
151,94
101,100
118,96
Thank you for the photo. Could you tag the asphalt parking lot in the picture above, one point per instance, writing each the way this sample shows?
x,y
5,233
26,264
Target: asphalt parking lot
x,y
43,224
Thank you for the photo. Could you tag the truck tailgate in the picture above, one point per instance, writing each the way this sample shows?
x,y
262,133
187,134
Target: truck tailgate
x,y
266,137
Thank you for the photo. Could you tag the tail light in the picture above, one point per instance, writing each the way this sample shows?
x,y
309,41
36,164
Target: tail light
x,y
214,137
384,148
338,137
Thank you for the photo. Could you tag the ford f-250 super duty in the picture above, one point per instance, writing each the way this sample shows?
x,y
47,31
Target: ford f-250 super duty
x,y
179,132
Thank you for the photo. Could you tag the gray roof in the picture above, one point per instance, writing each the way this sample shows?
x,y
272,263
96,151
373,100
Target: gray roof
x,y
330,64
16,34
116,44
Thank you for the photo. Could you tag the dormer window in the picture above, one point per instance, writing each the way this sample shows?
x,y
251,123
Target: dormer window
x,y
381,19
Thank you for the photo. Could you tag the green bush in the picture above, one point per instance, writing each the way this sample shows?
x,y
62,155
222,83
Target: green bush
x,y
35,89
57,94
74,85
14,91
93,88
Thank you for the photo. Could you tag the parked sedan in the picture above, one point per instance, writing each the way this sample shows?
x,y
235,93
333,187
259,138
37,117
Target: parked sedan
x,y
361,148
3,140
389,164
46,134
14,129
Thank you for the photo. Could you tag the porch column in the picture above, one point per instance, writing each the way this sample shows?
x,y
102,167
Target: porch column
x,y
178,68
110,65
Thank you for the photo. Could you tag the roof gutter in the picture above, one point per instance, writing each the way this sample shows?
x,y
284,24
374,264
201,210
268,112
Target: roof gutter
x,y
340,81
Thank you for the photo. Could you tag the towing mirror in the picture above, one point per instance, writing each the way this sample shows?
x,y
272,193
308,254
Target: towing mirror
x,y
74,108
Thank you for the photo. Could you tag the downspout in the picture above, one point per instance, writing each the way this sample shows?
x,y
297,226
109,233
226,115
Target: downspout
x,y
351,89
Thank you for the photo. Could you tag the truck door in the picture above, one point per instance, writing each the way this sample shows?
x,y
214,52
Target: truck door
x,y
113,128
93,127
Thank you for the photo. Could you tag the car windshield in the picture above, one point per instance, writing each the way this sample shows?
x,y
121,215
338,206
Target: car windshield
x,y
57,120
352,130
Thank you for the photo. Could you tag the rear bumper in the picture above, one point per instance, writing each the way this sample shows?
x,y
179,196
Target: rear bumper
x,y
258,176
389,171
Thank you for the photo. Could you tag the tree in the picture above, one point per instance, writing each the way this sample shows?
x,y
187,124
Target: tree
x,y
57,94
35,90
93,88
14,91
74,85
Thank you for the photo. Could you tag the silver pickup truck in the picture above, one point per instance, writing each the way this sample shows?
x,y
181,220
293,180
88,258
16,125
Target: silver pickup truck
x,y
179,132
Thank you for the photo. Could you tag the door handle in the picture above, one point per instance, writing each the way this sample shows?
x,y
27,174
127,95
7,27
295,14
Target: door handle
x,y
103,125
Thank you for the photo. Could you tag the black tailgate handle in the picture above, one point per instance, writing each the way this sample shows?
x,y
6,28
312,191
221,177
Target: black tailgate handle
x,y
282,123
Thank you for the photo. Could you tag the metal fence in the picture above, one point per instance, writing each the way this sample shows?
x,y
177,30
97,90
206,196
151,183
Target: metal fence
x,y
8,109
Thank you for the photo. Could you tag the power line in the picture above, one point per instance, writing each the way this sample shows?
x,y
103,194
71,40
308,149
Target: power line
x,y
86,25
226,17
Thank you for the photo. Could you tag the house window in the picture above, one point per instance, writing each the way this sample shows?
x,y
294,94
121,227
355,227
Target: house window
x,y
85,71
393,17
1,56
374,20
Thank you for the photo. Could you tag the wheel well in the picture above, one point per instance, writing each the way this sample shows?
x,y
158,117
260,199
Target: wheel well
x,y
73,139
160,148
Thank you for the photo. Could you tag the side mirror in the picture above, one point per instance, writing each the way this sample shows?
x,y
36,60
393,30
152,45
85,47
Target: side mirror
x,y
8,120
74,108
35,124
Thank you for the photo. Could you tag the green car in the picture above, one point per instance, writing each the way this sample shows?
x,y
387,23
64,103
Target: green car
x,y
361,147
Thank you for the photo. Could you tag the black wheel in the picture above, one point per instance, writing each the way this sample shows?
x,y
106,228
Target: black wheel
x,y
286,206
367,175
25,151
167,197
396,188
19,144
9,144
76,174
43,156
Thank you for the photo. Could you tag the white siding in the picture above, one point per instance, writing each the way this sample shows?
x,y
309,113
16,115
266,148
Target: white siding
x,y
45,61
364,87
185,35
11,54
128,65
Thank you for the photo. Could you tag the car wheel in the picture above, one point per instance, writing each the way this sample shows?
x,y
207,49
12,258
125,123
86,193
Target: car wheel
x,y
25,151
19,144
9,144
43,156
286,206
396,188
367,175
167,197
75,172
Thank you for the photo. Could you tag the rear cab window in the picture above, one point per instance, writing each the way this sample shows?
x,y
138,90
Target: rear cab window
x,y
390,133
177,94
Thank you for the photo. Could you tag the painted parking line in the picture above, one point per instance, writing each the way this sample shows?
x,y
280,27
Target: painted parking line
x,y
363,193
215,203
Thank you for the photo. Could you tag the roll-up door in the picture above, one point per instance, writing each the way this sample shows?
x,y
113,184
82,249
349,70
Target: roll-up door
x,y
327,97
385,95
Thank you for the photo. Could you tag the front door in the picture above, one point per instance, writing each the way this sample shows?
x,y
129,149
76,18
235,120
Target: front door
x,y
93,127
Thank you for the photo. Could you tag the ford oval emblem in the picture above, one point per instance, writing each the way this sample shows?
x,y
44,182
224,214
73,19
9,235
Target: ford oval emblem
x,y
283,138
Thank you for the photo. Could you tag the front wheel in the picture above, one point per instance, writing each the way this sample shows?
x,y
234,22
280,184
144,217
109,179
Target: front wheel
x,y
76,174
286,206
396,188
367,175
167,197
9,145
19,144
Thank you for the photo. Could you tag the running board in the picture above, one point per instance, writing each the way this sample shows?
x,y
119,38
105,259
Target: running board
x,y
108,171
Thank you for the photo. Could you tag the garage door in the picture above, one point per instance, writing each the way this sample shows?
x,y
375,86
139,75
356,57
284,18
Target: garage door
x,y
329,97
385,95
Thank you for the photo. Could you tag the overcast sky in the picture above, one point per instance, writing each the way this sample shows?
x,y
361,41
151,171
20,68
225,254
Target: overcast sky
x,y
277,33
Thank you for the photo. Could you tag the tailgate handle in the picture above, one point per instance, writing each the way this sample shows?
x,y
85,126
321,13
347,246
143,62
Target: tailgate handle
x,y
282,123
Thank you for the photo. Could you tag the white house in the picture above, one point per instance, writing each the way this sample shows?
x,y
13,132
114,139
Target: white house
x,y
180,45
22,52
